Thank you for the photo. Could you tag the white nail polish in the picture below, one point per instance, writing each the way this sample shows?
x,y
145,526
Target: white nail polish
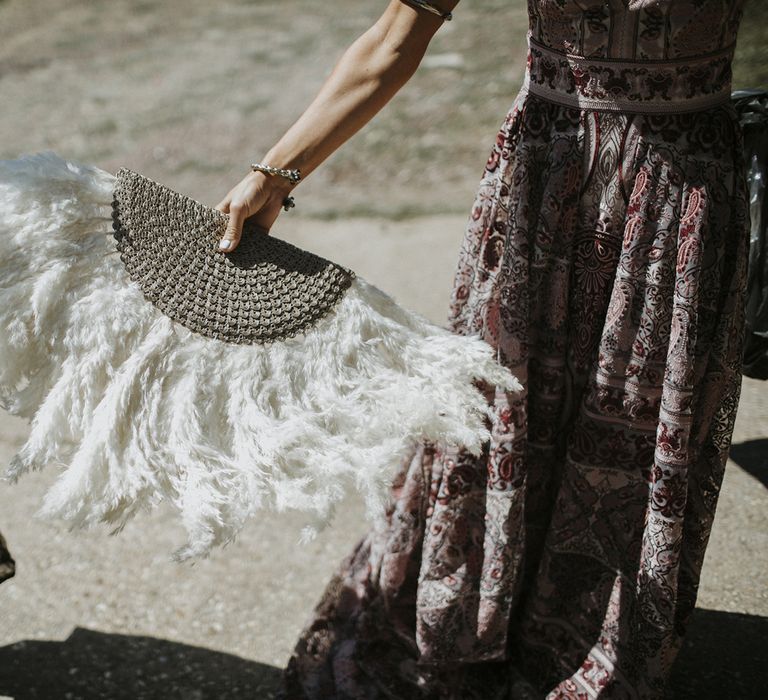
x,y
224,244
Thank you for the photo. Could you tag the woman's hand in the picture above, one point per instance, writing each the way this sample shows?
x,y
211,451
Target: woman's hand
x,y
257,197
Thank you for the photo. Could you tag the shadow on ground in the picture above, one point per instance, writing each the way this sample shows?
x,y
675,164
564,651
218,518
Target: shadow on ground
x,y
90,665
752,457
723,657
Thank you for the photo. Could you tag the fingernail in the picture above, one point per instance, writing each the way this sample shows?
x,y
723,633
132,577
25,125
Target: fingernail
x,y
224,244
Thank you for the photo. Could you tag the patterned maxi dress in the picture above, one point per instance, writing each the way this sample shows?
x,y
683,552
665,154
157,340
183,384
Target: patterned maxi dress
x,y
605,259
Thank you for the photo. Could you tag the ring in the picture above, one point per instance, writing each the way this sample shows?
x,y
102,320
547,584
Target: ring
x,y
288,203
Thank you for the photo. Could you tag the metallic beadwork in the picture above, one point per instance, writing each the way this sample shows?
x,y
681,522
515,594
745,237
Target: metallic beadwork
x,y
266,289
288,203
292,175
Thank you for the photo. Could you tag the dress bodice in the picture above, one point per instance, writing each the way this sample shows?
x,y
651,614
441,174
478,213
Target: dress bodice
x,y
635,30
646,56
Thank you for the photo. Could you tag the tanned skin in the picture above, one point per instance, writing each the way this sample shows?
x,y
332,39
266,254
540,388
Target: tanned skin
x,y
369,73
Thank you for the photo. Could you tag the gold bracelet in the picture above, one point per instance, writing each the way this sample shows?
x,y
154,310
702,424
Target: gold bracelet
x,y
447,16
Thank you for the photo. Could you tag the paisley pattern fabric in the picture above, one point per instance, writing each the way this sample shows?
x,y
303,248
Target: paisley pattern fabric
x,y
605,260
628,85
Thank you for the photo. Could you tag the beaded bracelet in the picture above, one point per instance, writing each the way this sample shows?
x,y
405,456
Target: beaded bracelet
x,y
292,175
447,16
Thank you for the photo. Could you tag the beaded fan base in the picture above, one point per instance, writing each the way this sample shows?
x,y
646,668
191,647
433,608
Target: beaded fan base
x,y
154,368
264,290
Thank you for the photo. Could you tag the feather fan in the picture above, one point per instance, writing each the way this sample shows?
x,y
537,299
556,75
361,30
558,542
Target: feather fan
x,y
136,407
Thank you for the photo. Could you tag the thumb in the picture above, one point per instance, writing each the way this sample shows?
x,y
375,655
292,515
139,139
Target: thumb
x,y
231,237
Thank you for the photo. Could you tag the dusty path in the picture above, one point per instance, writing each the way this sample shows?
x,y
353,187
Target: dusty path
x,y
189,92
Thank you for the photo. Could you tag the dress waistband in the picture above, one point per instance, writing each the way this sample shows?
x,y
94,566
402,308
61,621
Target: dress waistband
x,y
645,86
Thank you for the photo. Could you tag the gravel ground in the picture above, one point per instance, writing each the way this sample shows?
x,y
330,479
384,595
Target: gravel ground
x,y
188,92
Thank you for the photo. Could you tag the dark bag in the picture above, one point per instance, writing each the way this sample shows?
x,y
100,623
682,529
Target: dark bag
x,y
7,568
752,108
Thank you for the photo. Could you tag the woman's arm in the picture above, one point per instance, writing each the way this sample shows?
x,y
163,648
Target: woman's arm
x,y
369,73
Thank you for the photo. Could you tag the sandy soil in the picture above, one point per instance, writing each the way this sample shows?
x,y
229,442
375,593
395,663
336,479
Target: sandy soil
x,y
189,92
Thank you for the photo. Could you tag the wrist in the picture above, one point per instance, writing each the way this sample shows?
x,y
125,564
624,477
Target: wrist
x,y
281,158
275,189
273,185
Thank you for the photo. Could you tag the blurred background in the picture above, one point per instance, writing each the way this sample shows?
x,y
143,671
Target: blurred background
x,y
189,92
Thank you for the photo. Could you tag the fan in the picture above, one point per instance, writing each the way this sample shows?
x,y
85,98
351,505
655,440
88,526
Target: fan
x,y
153,367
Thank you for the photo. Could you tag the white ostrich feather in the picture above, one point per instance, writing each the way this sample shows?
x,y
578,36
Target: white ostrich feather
x,y
137,409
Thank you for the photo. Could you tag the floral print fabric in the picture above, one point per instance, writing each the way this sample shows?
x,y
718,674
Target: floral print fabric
x,y
605,259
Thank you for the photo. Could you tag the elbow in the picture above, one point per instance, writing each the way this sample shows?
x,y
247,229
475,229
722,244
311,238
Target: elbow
x,y
397,46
